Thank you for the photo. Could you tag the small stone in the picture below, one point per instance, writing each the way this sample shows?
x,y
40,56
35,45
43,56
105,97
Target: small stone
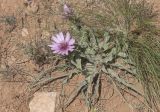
x,y
24,32
43,102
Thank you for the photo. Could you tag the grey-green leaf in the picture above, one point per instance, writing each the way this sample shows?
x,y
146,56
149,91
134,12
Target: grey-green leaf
x,y
78,63
122,54
106,37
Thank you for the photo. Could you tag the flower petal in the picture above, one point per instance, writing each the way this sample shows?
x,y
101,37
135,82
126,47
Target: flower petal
x,y
61,36
54,46
50,46
66,53
55,39
71,47
56,52
66,9
62,45
58,37
67,37
71,42
59,53
71,50
62,52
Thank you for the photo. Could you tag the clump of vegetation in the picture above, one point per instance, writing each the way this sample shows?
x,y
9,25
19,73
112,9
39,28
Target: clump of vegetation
x,y
124,42
147,60
9,21
39,52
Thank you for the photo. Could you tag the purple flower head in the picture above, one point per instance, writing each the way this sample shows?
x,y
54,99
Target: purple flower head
x,y
67,10
62,44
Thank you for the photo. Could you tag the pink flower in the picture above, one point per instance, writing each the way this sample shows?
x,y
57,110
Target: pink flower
x,y
67,10
62,44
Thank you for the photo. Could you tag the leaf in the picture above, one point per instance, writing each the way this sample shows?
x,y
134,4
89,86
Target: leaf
x,y
98,58
90,68
109,58
83,40
124,68
90,51
107,37
122,54
97,88
104,69
70,76
122,81
106,46
75,93
77,63
114,51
